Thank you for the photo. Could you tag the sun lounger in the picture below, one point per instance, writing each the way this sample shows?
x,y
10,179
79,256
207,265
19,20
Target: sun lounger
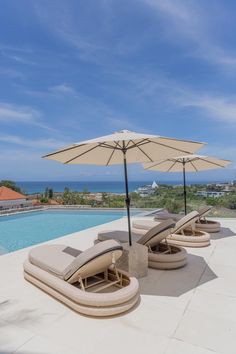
x,y
161,255
88,281
183,234
202,223
165,215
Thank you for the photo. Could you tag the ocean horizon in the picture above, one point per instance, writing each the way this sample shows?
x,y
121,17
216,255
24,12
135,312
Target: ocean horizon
x,y
34,187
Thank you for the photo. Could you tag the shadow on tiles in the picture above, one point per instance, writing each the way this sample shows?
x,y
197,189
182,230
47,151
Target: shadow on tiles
x,y
224,233
179,281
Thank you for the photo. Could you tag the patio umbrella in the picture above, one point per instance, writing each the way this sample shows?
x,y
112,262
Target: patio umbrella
x,y
187,163
121,148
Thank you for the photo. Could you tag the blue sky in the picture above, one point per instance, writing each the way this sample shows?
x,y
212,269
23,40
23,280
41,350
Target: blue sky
x,y
73,70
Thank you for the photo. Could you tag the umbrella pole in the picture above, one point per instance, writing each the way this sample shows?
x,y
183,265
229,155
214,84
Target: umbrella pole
x,y
127,198
185,197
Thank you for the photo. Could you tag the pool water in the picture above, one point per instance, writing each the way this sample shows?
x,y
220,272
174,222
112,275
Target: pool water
x,y
23,230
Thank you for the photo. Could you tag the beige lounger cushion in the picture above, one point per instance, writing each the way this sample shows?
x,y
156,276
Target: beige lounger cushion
x,y
144,224
164,215
204,210
200,240
151,237
184,222
157,234
94,260
118,235
53,259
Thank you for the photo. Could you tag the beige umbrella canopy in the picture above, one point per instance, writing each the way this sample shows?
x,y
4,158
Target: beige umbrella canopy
x,y
186,163
121,148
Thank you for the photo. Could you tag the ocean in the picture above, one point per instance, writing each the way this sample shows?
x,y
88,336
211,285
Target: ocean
x,y
91,186
112,187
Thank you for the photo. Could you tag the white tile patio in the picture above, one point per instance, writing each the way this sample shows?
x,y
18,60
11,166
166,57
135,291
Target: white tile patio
x,y
191,310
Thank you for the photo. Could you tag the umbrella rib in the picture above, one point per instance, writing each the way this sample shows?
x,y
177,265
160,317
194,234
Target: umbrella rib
x,y
156,164
105,145
83,153
142,150
63,150
112,153
195,168
210,162
170,168
127,146
192,159
186,141
142,142
170,147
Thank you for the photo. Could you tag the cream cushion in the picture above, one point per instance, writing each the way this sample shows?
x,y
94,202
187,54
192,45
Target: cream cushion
x,y
55,260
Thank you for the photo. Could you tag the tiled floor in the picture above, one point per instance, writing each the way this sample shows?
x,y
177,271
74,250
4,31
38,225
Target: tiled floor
x,y
187,311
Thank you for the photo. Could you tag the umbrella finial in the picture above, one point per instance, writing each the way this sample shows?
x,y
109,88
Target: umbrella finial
x,y
123,131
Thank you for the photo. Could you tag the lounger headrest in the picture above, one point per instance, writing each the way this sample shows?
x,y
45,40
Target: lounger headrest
x,y
204,210
156,234
111,247
163,212
165,215
186,221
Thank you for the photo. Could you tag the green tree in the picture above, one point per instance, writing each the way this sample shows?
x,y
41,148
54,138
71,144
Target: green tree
x,y
46,192
10,184
43,199
50,193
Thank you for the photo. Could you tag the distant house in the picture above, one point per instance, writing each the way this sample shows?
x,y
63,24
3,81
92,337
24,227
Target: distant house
x,y
212,194
10,199
147,190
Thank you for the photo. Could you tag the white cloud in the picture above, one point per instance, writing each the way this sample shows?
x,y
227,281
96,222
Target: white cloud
x,y
17,54
37,144
10,113
175,9
186,23
62,89
218,107
19,59
54,91
172,94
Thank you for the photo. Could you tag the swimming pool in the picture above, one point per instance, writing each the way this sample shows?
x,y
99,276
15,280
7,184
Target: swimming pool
x,y
27,229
